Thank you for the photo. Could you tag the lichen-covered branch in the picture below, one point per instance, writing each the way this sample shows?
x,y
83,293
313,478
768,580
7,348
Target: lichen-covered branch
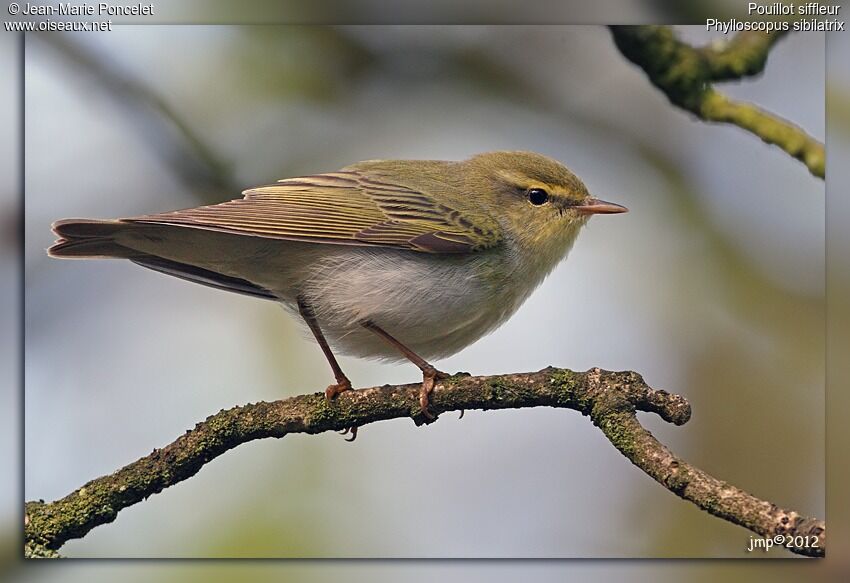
x,y
610,399
686,73
742,55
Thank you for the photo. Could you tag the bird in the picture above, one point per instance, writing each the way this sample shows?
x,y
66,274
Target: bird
x,y
384,259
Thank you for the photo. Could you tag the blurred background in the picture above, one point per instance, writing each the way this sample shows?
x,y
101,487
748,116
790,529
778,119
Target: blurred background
x,y
712,287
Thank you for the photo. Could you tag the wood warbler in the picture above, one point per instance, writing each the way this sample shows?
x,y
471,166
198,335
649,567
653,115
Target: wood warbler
x,y
385,259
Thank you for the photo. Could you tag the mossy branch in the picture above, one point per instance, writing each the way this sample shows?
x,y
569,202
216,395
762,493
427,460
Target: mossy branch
x,y
685,74
610,399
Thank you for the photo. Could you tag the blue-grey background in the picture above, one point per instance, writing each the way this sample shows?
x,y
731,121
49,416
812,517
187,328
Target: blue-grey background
x,y
712,287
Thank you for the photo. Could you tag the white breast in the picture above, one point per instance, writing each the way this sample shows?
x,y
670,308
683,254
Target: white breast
x,y
436,305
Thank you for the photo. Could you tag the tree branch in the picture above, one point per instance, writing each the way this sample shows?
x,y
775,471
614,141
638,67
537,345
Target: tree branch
x,y
610,399
685,74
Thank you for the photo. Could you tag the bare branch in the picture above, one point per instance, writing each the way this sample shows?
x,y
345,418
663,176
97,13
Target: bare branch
x,y
610,399
685,74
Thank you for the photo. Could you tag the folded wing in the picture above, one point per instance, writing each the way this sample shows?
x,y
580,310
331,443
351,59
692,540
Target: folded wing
x,y
343,208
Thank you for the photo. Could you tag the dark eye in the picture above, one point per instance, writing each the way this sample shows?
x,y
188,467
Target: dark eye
x,y
537,196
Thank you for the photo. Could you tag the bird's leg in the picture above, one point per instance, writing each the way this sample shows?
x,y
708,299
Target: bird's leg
x,y
342,382
429,373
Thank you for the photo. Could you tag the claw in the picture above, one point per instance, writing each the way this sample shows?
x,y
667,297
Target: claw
x,y
430,376
353,434
352,430
462,411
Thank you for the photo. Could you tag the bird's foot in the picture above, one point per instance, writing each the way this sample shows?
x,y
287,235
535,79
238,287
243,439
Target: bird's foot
x,y
430,376
340,387
331,392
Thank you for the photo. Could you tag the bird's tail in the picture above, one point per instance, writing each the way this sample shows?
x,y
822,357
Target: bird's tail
x,y
88,238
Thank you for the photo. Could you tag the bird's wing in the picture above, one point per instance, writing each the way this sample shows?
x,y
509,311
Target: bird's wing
x,y
348,207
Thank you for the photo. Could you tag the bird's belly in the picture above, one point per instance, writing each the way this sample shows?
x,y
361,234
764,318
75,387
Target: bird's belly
x,y
434,305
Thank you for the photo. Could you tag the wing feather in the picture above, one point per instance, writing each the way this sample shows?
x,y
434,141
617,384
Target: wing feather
x,y
345,208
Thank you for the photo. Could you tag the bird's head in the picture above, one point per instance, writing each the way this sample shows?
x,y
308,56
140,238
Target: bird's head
x,y
540,203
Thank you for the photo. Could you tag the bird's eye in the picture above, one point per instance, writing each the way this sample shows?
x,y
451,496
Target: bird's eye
x,y
537,196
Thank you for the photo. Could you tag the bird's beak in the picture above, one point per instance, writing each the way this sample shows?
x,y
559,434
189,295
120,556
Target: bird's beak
x,y
594,206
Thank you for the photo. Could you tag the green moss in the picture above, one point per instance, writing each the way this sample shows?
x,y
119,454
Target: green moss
x,y
566,381
571,388
711,503
499,389
620,435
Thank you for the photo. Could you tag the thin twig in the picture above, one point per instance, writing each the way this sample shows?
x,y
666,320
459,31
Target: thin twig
x,y
610,399
685,74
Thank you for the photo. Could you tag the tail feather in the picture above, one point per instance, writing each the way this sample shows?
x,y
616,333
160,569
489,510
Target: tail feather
x,y
86,228
88,238
90,248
